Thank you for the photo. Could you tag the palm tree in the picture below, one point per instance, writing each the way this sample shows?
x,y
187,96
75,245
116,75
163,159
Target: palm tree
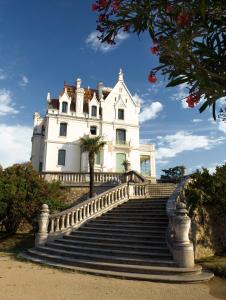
x,y
92,146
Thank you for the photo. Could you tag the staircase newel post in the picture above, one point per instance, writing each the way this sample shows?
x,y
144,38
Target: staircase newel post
x,y
183,250
130,190
43,222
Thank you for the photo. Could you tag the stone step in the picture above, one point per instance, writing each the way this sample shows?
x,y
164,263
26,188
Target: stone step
x,y
108,258
144,237
130,222
136,213
141,209
126,230
127,226
115,241
135,218
109,245
135,270
159,274
112,252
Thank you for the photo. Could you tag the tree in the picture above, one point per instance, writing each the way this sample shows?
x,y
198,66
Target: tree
x,y
173,174
92,146
126,164
206,199
22,192
188,36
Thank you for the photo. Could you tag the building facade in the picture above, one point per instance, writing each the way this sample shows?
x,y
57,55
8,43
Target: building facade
x,y
109,112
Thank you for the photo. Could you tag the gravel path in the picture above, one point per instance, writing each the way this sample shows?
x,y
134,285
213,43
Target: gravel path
x,y
26,281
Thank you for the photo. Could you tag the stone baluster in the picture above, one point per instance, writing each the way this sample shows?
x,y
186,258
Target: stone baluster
x,y
43,222
183,251
68,220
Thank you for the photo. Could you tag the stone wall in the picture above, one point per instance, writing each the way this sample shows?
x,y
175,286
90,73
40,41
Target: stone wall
x,y
208,232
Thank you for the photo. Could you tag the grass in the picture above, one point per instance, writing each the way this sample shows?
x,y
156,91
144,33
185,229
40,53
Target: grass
x,y
216,264
15,243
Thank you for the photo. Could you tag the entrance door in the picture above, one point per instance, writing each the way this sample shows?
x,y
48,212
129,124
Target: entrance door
x,y
120,157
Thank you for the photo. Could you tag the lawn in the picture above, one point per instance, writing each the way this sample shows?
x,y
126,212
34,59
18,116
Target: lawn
x,y
217,264
15,243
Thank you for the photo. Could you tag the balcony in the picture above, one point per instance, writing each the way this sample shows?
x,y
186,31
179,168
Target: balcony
x,y
121,144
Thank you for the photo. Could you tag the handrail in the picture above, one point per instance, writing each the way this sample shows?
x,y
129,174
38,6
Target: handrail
x,y
134,176
179,226
57,224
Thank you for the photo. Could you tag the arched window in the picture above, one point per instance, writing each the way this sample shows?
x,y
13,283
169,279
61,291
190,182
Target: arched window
x,y
64,107
93,111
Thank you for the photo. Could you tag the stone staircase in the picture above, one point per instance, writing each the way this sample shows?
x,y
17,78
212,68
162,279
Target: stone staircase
x,y
128,241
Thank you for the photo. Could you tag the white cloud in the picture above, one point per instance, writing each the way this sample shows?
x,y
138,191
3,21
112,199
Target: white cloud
x,y
222,126
197,120
138,99
17,144
6,104
3,75
151,111
24,81
171,145
93,41
181,94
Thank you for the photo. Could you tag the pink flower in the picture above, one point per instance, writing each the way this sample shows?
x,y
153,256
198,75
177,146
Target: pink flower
x,y
154,50
152,78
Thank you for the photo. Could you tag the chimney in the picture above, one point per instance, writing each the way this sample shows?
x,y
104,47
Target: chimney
x,y
100,89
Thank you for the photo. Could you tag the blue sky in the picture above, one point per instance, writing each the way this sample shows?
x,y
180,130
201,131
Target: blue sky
x,y
44,43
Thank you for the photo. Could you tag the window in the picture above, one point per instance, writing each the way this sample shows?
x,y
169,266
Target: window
x,y
63,129
40,167
64,107
120,136
121,114
61,157
93,130
93,111
97,158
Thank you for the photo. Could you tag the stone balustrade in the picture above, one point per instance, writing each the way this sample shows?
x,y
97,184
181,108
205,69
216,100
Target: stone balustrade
x,y
51,226
99,177
179,226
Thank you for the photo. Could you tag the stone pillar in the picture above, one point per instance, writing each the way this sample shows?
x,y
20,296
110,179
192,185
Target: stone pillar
x,y
43,221
130,189
183,251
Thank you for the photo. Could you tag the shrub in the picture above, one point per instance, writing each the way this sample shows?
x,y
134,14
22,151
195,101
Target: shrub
x,y
22,192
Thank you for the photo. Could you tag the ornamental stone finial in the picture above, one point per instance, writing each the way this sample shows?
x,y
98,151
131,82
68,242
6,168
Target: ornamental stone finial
x,y
48,97
120,75
78,83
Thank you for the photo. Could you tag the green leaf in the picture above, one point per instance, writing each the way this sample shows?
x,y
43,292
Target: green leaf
x,y
177,81
204,106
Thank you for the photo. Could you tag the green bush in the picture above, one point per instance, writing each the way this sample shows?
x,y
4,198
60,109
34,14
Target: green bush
x,y
22,192
206,198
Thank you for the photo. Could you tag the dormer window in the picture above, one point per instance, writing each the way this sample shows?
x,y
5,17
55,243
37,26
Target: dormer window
x,y
93,111
121,114
64,107
93,130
